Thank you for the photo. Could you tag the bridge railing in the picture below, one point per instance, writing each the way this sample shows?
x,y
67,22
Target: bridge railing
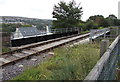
x,y
98,32
64,30
105,69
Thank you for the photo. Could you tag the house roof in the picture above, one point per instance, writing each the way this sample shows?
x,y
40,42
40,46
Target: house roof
x,y
29,31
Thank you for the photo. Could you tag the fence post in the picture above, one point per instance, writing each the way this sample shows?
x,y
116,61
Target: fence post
x,y
117,74
104,33
91,35
118,30
103,47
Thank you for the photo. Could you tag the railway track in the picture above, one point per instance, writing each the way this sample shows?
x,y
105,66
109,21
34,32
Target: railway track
x,y
36,48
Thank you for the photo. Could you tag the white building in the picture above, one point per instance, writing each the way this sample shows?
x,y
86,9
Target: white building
x,y
26,32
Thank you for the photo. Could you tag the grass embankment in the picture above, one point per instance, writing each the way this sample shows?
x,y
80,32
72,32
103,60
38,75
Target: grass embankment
x,y
72,63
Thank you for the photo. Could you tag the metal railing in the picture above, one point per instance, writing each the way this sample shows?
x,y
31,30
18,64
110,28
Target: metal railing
x,y
64,30
98,32
105,69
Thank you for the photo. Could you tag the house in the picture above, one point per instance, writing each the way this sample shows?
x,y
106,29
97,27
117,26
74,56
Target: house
x,y
25,32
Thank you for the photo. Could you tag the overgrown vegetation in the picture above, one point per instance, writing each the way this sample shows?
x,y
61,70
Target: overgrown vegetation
x,y
71,63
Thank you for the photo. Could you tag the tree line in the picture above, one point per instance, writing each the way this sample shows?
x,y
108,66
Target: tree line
x,y
68,15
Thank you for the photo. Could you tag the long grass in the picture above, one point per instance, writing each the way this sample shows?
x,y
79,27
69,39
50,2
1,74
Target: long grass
x,y
72,63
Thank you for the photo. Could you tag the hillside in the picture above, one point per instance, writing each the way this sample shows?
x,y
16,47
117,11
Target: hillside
x,y
39,23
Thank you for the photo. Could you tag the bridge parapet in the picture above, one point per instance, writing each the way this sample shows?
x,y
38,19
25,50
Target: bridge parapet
x,y
94,33
105,69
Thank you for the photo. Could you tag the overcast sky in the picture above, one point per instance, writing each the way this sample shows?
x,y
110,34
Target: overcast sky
x,y
42,9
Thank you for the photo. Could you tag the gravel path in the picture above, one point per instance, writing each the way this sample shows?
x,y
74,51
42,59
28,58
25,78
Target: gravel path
x,y
11,71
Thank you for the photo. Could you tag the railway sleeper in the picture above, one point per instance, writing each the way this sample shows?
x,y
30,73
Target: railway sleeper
x,y
28,57
14,62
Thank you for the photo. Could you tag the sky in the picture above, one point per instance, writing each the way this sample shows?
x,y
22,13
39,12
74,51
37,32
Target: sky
x,y
43,9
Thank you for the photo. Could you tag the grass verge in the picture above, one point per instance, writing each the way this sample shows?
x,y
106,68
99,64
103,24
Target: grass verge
x,y
73,63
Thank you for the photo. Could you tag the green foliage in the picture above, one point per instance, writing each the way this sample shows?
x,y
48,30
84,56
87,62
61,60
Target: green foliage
x,y
67,15
39,23
99,20
111,16
96,21
100,27
27,25
12,27
112,20
5,49
9,27
81,25
71,63
90,25
83,32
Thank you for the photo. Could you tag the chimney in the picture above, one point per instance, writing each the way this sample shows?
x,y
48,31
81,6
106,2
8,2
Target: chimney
x,y
47,29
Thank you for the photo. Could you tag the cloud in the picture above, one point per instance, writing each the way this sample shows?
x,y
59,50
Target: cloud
x,y
3,2
43,8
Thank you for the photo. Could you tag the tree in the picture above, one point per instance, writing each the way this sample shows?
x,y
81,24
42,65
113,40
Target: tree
x,y
67,15
99,20
111,16
91,25
112,20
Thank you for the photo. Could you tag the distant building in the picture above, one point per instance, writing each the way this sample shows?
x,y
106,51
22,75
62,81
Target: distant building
x,y
48,30
26,32
119,10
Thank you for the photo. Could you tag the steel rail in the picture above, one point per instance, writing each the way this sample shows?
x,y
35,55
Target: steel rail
x,y
65,40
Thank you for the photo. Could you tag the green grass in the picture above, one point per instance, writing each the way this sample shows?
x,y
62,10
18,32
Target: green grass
x,y
73,63
83,32
5,49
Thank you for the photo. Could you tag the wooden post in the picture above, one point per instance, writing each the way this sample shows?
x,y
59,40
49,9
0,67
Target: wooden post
x,y
118,74
104,33
91,35
103,47
117,31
